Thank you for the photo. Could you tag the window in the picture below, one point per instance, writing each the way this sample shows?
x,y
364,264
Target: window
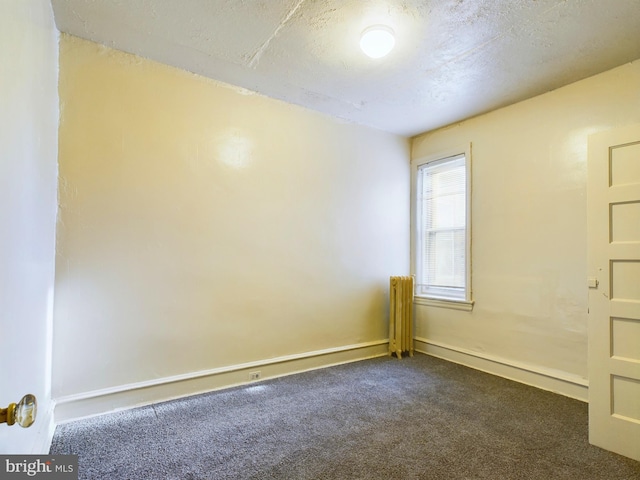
x,y
441,231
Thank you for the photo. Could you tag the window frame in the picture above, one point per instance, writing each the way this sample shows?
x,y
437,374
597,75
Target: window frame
x,y
465,303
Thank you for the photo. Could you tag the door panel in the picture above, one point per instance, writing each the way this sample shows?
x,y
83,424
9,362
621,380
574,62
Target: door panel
x,y
625,168
614,305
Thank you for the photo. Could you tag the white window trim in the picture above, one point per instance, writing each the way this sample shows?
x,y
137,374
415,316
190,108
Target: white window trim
x,y
467,303
454,304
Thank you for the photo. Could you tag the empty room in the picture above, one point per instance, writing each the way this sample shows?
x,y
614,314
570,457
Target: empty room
x,y
320,239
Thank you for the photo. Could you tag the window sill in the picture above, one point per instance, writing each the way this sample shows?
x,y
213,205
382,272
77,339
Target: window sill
x,y
463,305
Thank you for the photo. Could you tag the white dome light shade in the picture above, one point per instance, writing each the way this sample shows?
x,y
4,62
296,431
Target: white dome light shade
x,y
377,41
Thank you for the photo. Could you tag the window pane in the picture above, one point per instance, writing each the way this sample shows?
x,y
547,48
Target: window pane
x,y
448,211
441,228
445,255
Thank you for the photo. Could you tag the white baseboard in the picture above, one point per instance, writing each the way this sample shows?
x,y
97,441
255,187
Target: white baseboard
x,y
98,402
552,380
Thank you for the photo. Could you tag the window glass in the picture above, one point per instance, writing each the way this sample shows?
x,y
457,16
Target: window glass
x,y
441,227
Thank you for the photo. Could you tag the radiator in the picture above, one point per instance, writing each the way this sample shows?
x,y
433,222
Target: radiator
x,y
401,316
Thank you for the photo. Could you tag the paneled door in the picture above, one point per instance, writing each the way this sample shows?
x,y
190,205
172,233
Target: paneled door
x,y
614,294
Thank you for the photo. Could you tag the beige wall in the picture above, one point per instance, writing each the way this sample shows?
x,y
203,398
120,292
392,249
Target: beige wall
x,y
530,224
28,182
203,227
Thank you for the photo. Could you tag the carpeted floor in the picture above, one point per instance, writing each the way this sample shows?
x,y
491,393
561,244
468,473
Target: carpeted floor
x,y
418,418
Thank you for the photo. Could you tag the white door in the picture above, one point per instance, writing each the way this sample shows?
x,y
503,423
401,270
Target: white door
x,y
614,296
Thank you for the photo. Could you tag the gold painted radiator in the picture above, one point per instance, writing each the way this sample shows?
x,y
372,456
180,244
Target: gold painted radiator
x,y
401,316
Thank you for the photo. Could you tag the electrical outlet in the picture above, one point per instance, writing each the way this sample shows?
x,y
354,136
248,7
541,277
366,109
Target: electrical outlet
x,y
254,375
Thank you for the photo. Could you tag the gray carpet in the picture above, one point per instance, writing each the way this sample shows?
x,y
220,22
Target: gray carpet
x,y
415,418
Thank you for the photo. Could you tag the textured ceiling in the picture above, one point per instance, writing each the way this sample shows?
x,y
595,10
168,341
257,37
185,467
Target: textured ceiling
x,y
453,58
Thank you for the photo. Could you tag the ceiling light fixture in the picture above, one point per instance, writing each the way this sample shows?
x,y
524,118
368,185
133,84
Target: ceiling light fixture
x,y
377,41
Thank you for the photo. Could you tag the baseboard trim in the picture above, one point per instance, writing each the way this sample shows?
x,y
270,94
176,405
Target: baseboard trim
x,y
122,397
554,381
